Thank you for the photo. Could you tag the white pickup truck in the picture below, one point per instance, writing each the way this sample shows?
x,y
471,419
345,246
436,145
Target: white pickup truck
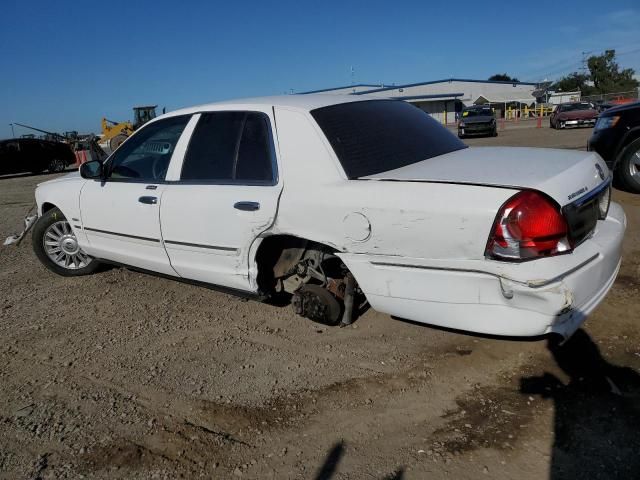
x,y
331,200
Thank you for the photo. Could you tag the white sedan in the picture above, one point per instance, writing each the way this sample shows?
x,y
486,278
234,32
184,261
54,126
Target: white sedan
x,y
331,200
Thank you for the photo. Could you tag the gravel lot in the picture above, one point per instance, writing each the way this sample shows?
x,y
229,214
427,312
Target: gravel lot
x,y
125,375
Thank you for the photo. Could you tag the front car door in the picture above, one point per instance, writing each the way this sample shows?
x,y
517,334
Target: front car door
x,y
222,198
121,214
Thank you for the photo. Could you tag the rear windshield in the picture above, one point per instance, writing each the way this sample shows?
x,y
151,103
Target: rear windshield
x,y
376,136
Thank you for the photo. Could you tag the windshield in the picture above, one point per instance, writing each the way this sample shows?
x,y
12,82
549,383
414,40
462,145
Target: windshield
x,y
376,136
477,112
575,106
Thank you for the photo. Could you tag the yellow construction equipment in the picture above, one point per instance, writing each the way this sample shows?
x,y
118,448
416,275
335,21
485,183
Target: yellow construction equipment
x,y
114,133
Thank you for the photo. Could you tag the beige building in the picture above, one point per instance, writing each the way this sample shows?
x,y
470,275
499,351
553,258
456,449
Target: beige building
x,y
443,99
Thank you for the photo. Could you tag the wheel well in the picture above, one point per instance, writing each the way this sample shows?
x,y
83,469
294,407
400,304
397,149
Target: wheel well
x,y
47,206
629,139
278,252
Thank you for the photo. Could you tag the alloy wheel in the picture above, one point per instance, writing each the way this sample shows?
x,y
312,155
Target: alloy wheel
x,y
61,246
56,166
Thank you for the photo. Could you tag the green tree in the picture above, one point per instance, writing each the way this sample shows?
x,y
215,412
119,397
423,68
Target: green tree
x,y
503,77
604,76
607,76
572,82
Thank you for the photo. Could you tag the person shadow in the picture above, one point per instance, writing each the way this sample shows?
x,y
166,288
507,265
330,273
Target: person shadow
x,y
597,412
328,468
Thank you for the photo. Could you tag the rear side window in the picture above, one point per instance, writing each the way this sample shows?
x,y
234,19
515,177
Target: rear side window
x,y
376,136
230,147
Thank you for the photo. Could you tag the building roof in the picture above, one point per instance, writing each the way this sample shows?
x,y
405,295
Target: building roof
x,y
435,96
342,88
446,80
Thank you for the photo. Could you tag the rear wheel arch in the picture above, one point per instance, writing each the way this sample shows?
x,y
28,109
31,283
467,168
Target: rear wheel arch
x,y
310,275
270,249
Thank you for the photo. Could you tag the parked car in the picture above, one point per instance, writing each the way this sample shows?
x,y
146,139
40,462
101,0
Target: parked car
x,y
20,155
601,107
616,137
573,114
477,121
326,198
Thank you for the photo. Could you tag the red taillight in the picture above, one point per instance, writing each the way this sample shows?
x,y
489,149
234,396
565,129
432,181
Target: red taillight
x,y
528,226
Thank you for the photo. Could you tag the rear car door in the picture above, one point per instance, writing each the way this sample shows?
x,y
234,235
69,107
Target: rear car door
x,y
224,196
121,214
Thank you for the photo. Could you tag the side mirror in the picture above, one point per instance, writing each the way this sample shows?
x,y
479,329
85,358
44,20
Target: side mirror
x,y
91,170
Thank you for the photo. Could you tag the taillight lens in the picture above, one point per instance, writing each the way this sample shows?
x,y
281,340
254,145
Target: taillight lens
x,y
529,225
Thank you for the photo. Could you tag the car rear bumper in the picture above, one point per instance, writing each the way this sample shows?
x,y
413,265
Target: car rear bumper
x,y
512,299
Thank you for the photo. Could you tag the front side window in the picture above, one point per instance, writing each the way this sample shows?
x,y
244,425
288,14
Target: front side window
x,y
146,155
230,147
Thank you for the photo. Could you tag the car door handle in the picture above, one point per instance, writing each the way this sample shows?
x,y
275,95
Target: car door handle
x,y
148,200
247,206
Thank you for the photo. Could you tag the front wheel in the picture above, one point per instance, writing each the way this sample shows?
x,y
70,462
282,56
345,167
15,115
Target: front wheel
x,y
116,141
56,166
56,246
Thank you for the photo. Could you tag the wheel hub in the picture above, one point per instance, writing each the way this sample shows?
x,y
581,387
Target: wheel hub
x,y
317,304
69,245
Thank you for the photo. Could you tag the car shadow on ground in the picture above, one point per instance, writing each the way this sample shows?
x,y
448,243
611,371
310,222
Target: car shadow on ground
x,y
597,412
329,467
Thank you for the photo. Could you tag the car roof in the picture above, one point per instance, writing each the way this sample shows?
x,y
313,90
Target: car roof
x,y
305,102
620,108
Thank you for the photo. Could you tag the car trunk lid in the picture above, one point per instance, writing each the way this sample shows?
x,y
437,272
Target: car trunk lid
x,y
564,175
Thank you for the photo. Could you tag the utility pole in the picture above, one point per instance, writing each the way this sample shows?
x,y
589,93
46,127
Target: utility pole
x,y
13,134
585,59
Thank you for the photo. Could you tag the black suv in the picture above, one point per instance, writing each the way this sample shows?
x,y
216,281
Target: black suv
x,y
616,137
20,155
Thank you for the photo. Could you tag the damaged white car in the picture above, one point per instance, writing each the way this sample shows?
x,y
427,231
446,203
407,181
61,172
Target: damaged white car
x,y
329,200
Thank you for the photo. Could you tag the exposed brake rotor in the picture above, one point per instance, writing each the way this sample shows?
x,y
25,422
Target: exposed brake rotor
x,y
316,303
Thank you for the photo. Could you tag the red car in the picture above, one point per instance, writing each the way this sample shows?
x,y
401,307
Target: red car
x,y
574,114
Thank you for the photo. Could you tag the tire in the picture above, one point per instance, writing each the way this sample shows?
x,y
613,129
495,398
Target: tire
x,y
53,228
116,141
56,166
495,132
628,168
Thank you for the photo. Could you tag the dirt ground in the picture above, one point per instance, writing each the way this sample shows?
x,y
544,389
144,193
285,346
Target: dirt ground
x,y
126,375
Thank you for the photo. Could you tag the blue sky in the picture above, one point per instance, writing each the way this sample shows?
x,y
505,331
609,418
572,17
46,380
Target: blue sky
x,y
66,64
